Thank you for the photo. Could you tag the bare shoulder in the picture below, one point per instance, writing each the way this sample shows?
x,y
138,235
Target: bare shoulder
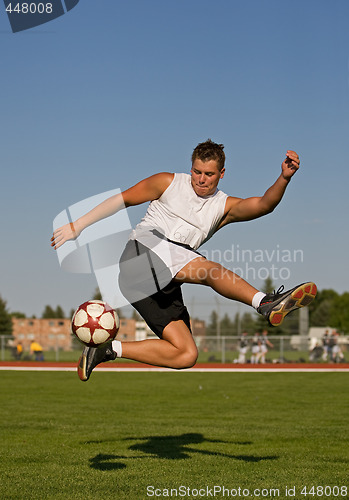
x,y
148,189
163,180
231,203
229,210
157,183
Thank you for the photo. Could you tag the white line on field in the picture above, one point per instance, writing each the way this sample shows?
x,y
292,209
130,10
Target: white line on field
x,y
191,370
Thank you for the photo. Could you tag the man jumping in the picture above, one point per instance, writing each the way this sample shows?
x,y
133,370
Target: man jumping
x,y
161,254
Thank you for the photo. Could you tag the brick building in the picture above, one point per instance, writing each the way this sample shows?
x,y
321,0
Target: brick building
x,y
198,327
127,329
51,334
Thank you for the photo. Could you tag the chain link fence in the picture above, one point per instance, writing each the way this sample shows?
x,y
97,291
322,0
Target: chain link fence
x,y
228,350
215,349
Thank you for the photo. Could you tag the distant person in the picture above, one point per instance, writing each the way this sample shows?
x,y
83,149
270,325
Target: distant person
x,y
256,348
19,351
325,345
36,349
264,344
243,348
185,211
316,353
331,344
336,355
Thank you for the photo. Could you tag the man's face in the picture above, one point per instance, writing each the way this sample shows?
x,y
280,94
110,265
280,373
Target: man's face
x,y
205,177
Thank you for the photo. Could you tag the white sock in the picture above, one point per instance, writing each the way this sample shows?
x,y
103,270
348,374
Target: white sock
x,y
257,298
117,347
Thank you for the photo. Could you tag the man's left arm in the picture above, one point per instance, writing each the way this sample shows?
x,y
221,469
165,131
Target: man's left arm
x,y
251,208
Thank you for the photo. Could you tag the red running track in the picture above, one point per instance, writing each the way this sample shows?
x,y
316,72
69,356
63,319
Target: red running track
x,y
47,365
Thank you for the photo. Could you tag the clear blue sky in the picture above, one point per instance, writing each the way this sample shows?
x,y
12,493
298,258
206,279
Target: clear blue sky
x,y
114,91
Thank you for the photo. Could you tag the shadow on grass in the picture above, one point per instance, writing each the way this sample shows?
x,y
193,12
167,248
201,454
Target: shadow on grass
x,y
107,462
170,448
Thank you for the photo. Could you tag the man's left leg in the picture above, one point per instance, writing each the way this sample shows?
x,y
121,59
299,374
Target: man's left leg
x,y
273,306
205,272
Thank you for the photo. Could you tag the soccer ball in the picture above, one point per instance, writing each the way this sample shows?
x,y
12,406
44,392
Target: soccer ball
x,y
95,323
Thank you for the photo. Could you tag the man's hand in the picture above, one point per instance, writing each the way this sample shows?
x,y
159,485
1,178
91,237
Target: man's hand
x,y
63,234
290,165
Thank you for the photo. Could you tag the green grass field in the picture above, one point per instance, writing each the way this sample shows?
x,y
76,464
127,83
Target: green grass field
x,y
121,433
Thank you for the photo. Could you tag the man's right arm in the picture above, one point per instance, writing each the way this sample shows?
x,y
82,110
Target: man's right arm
x,y
148,189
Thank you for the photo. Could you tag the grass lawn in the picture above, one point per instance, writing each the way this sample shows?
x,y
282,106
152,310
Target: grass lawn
x,y
119,433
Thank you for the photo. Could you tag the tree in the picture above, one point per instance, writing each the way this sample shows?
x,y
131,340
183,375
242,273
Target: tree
x,y
17,314
59,313
5,319
213,324
321,315
320,308
48,313
339,313
247,323
227,326
330,309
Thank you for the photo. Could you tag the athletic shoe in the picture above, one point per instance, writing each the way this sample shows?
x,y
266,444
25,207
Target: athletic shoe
x,y
91,357
275,306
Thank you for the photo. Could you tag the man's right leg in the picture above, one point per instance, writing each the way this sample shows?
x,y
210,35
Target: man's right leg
x,y
176,349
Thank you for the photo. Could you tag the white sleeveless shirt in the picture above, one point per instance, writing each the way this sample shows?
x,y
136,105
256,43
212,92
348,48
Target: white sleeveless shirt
x,y
183,216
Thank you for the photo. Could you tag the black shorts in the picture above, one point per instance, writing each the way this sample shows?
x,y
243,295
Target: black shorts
x,y
147,284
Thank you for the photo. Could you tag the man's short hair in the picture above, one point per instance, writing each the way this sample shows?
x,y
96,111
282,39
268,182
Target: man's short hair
x,y
209,150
